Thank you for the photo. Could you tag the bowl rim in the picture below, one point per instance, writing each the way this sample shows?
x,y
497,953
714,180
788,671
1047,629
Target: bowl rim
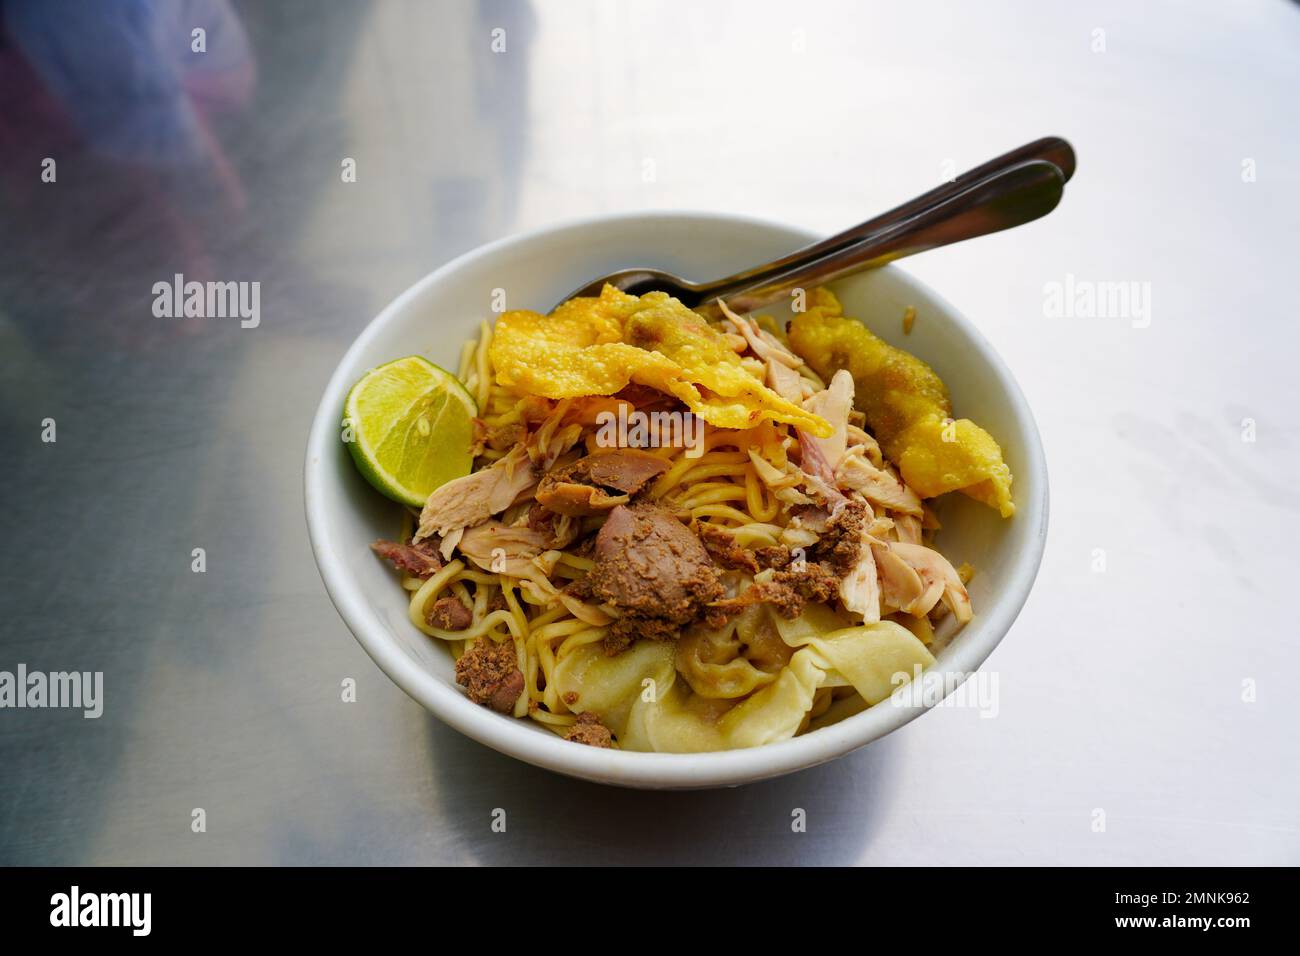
x,y
634,768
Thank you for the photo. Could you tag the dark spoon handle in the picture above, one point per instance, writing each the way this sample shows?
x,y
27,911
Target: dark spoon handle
x,y
1050,149
1002,200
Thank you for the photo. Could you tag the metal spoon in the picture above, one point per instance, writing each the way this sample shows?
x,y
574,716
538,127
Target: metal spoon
x,y
1007,191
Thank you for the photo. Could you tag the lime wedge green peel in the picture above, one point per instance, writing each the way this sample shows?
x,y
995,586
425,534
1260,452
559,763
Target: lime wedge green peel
x,y
410,426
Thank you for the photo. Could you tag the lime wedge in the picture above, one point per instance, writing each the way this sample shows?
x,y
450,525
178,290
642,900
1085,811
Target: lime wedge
x,y
409,426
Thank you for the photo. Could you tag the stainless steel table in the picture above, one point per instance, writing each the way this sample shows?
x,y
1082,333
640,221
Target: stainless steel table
x,y
1146,709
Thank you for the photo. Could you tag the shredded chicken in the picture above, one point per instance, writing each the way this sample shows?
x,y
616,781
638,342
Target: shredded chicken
x,y
763,343
867,444
818,476
785,381
878,486
555,436
833,403
561,530
908,529
795,535
471,500
783,483
900,586
812,518
936,572
503,549
449,543
860,589
882,527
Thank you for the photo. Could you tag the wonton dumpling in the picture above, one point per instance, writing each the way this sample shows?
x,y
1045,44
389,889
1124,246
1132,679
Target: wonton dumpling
x,y
589,679
735,661
639,695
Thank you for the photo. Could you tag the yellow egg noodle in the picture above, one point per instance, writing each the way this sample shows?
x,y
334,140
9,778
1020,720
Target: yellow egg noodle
x,y
773,407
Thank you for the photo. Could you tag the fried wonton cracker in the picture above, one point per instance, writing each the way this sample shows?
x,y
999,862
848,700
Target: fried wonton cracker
x,y
906,406
598,345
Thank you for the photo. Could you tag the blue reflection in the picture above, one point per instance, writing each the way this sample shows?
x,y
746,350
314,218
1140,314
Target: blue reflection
x,y
137,79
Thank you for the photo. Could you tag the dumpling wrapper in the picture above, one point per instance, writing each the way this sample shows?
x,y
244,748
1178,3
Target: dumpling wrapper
x,y
906,406
597,346
639,696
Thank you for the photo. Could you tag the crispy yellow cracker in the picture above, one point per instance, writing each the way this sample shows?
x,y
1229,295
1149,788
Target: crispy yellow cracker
x,y
906,406
597,346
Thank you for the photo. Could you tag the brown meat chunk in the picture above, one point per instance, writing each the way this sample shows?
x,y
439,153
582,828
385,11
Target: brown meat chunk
x,y
840,544
814,582
585,545
419,560
450,614
598,482
575,499
625,469
722,547
631,627
794,585
590,731
490,674
541,519
579,588
650,567
559,529
788,591
716,618
775,556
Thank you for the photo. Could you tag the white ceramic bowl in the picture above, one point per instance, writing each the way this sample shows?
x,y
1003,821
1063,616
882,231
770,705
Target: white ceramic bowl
x,y
438,313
